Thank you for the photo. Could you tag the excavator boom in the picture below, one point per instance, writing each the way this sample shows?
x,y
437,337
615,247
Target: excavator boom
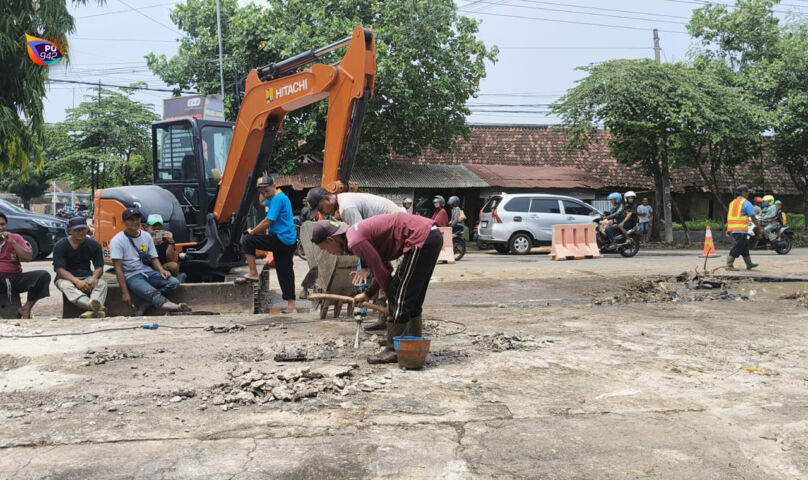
x,y
270,95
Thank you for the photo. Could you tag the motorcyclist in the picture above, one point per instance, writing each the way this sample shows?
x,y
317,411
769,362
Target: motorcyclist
x,y
407,204
458,217
756,203
440,216
769,218
626,220
615,214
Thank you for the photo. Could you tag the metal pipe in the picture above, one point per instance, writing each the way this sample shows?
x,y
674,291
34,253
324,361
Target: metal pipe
x,y
275,69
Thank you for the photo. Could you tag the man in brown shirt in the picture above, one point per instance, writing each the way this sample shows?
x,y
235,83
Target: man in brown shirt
x,y
378,241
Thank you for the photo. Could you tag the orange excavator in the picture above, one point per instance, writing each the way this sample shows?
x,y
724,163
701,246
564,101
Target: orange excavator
x,y
205,171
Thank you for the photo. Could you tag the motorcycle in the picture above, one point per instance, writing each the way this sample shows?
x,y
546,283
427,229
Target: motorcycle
x,y
762,242
625,246
459,242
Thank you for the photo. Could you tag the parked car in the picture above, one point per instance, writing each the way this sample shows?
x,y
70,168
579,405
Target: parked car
x,y
39,231
518,222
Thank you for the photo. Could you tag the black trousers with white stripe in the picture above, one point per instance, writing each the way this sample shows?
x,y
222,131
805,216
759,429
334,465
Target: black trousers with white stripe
x,y
405,298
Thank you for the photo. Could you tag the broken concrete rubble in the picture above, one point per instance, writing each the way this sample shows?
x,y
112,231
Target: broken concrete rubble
x,y
248,385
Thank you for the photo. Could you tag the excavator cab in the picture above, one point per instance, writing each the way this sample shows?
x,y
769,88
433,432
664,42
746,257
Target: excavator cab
x,y
189,158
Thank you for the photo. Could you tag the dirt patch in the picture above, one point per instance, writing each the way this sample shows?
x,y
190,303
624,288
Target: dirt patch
x,y
93,357
801,298
686,287
8,362
248,385
502,342
252,354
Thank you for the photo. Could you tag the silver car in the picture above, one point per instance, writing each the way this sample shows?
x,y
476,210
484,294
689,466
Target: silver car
x,y
518,222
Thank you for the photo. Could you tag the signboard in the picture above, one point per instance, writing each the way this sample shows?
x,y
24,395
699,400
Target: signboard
x,y
200,107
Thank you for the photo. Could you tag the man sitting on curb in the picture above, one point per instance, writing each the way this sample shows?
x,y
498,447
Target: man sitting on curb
x,y
14,250
139,270
164,244
83,287
378,241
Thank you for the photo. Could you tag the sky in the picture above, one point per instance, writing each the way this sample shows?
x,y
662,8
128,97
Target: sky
x,y
541,44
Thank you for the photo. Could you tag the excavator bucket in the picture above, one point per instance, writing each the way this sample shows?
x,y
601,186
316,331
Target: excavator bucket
x,y
221,298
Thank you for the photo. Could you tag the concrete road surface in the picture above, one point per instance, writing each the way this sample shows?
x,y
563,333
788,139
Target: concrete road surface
x,y
595,369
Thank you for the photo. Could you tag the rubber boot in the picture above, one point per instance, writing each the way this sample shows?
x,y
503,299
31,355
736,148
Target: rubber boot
x,y
749,265
380,324
388,355
730,262
416,327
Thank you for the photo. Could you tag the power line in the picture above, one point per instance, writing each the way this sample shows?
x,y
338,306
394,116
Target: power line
x,y
124,11
587,7
94,84
703,3
575,48
139,40
150,18
603,15
552,20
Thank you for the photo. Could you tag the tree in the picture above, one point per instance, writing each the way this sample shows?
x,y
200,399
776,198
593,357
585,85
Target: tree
x,y
22,82
659,116
110,137
429,64
768,59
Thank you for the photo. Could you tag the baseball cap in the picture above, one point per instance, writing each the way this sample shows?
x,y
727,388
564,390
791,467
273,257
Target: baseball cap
x,y
315,195
154,219
327,228
131,212
77,222
265,181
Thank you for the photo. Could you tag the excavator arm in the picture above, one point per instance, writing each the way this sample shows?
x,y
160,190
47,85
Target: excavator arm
x,y
270,95
271,92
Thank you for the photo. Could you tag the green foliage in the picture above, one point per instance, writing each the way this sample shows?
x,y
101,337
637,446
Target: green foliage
x,y
429,64
700,225
108,136
796,221
22,82
768,59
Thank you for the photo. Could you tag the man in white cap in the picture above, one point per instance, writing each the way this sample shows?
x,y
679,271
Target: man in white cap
x,y
72,255
164,244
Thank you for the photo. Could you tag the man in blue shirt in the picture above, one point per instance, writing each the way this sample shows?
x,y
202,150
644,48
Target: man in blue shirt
x,y
276,233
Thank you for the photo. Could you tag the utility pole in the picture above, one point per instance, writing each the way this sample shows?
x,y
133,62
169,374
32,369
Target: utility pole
x,y
219,30
656,46
666,197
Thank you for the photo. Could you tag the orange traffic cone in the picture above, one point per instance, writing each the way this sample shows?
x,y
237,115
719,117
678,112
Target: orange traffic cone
x,y
709,247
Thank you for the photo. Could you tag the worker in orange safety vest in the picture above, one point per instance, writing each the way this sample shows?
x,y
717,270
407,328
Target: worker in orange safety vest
x,y
738,216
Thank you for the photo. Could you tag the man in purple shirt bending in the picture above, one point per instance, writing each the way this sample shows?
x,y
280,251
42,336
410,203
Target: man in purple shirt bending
x,y
377,241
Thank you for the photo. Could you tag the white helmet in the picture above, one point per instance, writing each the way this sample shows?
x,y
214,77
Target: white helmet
x,y
630,193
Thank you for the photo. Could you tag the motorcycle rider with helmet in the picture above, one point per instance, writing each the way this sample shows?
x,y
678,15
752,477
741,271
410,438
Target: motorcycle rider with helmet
x,y
456,221
440,217
612,215
627,218
407,204
769,218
